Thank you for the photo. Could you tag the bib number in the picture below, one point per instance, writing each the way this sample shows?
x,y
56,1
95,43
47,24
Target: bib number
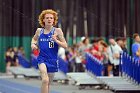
x,y
51,44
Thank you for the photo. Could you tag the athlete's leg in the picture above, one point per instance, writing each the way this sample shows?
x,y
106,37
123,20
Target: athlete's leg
x,y
51,76
45,78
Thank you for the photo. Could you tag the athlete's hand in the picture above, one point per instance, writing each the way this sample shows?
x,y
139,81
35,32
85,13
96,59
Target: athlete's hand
x,y
34,46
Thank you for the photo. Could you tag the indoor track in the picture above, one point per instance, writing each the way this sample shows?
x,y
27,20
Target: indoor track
x,y
21,85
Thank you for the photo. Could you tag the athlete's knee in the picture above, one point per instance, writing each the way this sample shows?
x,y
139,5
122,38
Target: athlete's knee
x,y
43,74
45,81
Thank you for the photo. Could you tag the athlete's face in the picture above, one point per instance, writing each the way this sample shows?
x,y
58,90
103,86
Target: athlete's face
x,y
48,19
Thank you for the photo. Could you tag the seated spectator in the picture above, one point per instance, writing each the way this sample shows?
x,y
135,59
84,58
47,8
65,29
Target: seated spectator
x,y
8,59
11,58
15,59
21,51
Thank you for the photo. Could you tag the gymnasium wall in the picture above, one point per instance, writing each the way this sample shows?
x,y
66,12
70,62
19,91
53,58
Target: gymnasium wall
x,y
92,18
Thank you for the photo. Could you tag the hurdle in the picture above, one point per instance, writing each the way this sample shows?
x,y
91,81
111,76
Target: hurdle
x,y
24,69
83,79
116,84
88,78
129,80
26,72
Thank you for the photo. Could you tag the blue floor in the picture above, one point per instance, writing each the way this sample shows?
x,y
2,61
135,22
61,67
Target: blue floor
x,y
11,87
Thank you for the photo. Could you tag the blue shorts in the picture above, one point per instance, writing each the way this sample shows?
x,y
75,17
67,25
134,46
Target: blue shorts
x,y
51,64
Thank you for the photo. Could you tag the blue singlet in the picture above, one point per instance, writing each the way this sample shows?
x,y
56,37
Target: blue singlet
x,y
48,51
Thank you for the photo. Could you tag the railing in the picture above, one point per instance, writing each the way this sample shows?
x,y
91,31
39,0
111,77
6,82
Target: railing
x,y
94,65
130,67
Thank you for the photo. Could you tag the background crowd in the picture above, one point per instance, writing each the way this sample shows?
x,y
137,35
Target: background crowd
x,y
107,52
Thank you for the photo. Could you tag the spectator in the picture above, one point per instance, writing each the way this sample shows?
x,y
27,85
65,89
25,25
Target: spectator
x,y
61,53
84,46
105,58
136,47
71,54
124,45
97,49
78,60
11,58
114,51
21,51
121,41
15,59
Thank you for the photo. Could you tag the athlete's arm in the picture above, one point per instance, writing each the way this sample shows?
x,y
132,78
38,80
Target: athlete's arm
x,y
58,37
35,39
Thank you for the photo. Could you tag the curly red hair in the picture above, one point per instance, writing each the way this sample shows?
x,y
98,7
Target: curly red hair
x,y
48,11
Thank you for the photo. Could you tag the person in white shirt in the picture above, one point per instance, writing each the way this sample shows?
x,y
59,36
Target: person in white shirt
x,y
114,51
